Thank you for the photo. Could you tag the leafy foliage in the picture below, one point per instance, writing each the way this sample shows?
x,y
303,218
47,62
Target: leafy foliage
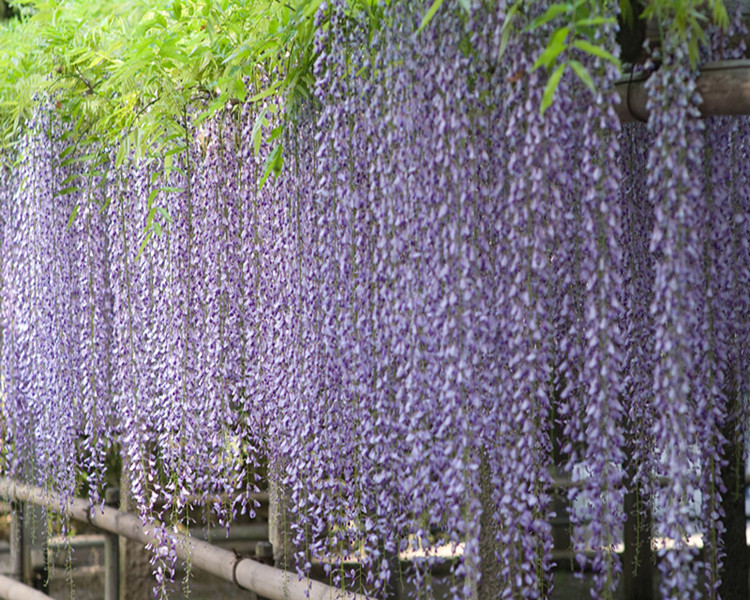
x,y
577,25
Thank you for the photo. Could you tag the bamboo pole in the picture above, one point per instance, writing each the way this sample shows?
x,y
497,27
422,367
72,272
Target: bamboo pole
x,y
264,580
724,88
10,589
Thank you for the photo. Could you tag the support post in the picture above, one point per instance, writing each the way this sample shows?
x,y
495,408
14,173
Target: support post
x,y
112,552
16,540
395,589
736,565
488,586
637,560
264,555
279,523
637,567
28,545
136,581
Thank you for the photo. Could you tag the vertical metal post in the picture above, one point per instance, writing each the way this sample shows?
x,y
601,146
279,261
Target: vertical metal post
x,y
112,552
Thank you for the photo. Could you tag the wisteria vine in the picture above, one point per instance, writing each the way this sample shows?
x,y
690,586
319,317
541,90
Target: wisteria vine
x,y
444,300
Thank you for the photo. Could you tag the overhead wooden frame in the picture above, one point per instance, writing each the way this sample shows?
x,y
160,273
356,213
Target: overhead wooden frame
x,y
724,88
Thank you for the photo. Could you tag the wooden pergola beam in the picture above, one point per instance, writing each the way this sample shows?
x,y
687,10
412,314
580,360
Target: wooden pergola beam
x,y
724,87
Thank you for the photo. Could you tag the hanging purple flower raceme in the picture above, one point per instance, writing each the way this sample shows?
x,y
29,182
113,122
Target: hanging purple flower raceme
x,y
8,295
723,427
401,259
279,346
330,409
223,428
520,412
739,149
724,262
125,218
373,314
719,272
60,416
39,380
680,312
637,326
252,399
10,279
92,322
638,276
600,269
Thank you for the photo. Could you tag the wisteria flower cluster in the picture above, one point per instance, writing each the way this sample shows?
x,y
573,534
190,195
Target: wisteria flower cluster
x,y
445,300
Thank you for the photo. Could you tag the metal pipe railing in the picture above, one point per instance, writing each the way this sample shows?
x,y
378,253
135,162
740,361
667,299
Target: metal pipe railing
x,y
264,580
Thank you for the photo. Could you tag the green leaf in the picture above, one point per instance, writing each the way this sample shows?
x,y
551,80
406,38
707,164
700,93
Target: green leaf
x,y
165,214
430,14
721,18
276,133
552,12
507,28
173,189
627,13
69,179
312,8
257,130
274,164
269,91
177,150
72,217
594,21
67,151
146,238
551,87
71,189
583,74
150,218
151,196
240,91
595,50
555,46
277,160
105,205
